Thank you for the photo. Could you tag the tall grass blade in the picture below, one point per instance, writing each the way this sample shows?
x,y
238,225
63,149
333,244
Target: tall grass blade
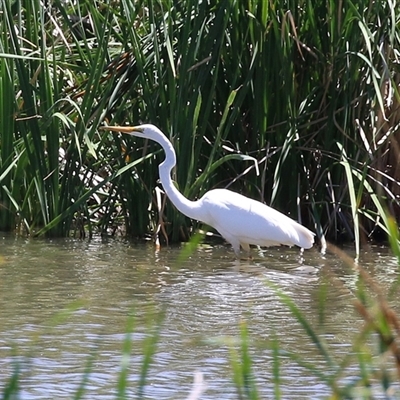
x,y
353,201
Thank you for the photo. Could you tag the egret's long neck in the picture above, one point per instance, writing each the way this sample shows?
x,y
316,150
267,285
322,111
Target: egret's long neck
x,y
184,205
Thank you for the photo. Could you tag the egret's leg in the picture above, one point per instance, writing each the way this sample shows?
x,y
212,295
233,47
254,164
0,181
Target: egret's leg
x,y
231,239
246,248
236,248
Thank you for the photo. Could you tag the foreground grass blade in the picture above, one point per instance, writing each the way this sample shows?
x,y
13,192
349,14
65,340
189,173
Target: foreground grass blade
x,y
149,349
12,386
125,361
276,369
308,329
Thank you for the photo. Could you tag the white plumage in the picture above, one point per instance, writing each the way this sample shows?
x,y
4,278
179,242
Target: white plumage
x,y
240,220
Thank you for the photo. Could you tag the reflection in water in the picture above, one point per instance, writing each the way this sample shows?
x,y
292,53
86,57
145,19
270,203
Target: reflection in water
x,y
204,297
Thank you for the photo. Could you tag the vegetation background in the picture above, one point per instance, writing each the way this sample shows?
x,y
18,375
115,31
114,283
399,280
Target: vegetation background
x,y
310,89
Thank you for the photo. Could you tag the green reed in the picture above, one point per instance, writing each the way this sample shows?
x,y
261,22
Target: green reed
x,y
307,89
274,82
48,156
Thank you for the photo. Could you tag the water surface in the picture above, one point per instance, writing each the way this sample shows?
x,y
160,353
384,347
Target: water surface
x,y
204,299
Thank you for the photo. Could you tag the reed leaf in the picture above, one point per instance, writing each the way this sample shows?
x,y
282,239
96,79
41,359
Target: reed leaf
x,y
353,201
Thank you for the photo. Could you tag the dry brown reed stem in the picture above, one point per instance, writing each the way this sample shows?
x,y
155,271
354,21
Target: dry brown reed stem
x,y
371,315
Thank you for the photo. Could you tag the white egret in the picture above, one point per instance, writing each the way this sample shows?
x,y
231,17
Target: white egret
x,y
240,220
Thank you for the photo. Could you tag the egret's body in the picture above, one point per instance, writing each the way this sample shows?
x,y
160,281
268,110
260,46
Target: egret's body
x,y
240,220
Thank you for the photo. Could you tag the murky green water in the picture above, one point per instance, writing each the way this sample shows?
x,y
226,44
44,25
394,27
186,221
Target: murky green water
x,y
204,297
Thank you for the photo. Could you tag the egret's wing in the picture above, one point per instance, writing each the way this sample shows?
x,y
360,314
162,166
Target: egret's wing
x,y
250,221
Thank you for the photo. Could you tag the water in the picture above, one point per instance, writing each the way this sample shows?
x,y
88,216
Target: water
x,y
63,302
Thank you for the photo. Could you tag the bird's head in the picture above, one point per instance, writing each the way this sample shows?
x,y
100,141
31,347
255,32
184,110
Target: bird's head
x,y
148,131
130,130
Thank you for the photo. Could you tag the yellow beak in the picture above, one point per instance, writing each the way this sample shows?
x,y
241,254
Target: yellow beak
x,y
122,129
